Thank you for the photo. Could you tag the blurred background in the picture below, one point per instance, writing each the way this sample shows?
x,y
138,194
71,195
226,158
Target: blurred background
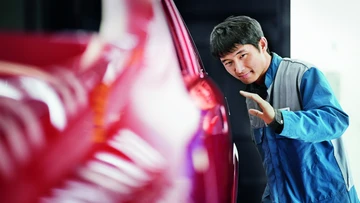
x,y
323,32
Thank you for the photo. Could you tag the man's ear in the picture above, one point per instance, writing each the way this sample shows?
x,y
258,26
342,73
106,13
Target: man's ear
x,y
263,44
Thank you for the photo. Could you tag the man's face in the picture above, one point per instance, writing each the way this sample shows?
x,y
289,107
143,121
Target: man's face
x,y
247,63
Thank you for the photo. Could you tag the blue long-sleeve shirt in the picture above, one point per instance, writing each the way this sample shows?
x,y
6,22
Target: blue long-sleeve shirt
x,y
302,162
322,117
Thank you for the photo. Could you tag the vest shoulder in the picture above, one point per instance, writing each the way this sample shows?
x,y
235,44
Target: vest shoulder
x,y
298,63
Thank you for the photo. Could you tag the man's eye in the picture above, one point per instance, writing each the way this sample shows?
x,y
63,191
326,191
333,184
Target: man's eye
x,y
242,55
228,63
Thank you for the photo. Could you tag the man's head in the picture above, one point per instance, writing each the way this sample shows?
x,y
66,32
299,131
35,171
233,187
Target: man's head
x,y
240,44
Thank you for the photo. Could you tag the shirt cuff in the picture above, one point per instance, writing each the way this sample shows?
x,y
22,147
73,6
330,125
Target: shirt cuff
x,y
278,123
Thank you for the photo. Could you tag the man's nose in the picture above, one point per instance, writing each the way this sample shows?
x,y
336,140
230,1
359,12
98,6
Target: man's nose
x,y
239,68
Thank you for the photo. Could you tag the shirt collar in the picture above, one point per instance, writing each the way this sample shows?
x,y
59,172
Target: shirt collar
x,y
271,72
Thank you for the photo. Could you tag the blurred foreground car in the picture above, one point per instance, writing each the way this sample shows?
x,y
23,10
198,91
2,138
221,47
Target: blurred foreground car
x,y
127,114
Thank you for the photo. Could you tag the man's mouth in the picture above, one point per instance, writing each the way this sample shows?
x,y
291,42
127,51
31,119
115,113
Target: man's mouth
x,y
244,76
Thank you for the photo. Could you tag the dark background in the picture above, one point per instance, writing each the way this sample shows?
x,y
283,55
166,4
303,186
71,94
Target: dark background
x,y
200,16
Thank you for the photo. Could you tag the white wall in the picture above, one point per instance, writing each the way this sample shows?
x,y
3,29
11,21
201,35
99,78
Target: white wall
x,y
327,34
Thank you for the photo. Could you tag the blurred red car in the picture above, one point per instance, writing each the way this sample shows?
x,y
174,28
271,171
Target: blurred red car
x,y
127,114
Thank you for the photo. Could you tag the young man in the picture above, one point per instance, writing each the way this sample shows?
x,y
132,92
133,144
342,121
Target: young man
x,y
297,122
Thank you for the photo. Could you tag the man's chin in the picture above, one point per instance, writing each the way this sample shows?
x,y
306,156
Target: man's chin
x,y
245,81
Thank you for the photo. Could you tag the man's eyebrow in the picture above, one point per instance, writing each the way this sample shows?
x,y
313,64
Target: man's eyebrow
x,y
239,52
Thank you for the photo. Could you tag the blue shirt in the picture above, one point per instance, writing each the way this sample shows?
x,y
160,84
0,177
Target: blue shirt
x,y
300,162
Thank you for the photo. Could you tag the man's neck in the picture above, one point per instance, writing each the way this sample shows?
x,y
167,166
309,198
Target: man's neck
x,y
261,80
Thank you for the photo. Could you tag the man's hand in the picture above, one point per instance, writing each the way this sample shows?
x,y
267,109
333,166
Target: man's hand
x,y
267,114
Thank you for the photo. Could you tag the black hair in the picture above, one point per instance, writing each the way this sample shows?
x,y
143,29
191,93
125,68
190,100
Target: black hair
x,y
235,30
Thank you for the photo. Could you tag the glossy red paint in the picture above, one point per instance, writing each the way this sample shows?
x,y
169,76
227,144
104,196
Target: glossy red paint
x,y
92,118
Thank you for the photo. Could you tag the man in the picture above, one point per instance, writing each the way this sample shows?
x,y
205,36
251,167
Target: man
x,y
297,122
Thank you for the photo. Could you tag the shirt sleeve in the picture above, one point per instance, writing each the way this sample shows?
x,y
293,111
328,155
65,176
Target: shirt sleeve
x,y
322,117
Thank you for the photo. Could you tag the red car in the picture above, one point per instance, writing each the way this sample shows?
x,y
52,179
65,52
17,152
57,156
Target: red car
x,y
127,114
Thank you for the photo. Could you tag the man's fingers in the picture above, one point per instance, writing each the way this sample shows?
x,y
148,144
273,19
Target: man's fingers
x,y
252,96
260,101
245,94
266,113
255,112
